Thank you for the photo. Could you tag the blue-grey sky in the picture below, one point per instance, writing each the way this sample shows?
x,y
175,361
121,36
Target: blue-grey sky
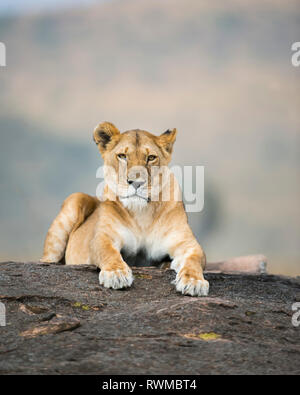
x,y
27,6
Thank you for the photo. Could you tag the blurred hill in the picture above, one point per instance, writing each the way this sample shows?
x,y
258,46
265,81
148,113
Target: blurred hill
x,y
37,172
219,72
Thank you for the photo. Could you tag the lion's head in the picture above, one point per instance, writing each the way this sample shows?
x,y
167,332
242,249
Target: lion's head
x,y
135,162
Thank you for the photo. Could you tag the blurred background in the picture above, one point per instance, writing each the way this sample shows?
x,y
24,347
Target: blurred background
x,y
220,72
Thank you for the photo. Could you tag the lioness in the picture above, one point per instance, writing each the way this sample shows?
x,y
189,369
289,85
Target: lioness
x,y
131,216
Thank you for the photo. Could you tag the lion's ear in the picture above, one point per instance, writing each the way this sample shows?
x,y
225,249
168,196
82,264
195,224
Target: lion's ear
x,y
167,139
104,134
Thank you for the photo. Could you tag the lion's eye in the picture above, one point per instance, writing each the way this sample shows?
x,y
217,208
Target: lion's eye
x,y
151,158
122,156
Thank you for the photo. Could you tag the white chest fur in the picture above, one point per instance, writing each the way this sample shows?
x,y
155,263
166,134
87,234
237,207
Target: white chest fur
x,y
152,244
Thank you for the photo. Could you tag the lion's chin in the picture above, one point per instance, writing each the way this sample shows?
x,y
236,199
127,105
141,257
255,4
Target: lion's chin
x,y
134,202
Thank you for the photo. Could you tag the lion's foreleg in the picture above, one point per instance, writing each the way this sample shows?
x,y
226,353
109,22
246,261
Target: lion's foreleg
x,y
105,253
189,262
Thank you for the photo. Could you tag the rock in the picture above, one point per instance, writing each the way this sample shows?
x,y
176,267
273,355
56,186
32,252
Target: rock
x,y
61,321
32,310
56,325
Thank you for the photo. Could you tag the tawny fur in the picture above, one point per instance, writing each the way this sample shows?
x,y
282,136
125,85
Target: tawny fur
x,y
87,231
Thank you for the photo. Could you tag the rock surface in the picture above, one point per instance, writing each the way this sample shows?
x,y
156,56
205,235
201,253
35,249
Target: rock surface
x,y
61,321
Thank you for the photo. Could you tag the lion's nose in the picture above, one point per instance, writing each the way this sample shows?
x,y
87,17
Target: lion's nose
x,y
136,184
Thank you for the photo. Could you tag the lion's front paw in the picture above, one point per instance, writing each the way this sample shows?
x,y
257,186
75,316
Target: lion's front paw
x,y
191,284
116,279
